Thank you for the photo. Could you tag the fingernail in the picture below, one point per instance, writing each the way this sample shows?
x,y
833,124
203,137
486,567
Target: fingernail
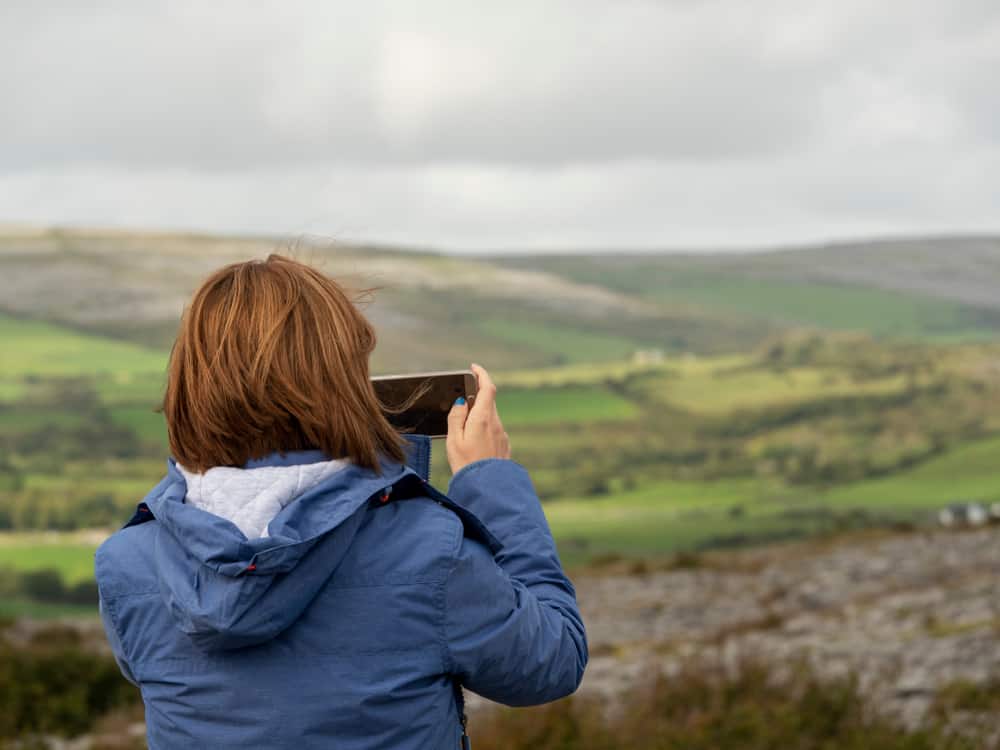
x,y
460,401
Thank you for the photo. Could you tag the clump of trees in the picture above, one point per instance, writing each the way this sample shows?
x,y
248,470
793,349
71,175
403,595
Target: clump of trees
x,y
36,509
818,441
62,426
46,586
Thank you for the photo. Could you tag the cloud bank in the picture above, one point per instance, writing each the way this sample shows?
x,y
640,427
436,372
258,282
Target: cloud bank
x,y
634,123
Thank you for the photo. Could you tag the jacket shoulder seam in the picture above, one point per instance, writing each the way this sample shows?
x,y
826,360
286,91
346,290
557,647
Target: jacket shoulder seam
x,y
130,594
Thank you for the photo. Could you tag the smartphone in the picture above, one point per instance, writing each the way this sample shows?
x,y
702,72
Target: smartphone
x,y
429,396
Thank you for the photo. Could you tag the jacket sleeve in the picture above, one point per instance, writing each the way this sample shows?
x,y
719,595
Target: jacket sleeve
x,y
513,630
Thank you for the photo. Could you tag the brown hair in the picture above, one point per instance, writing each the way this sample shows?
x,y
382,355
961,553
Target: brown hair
x,y
273,356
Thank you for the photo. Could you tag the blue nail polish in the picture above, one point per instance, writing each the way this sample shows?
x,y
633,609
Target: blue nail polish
x,y
460,401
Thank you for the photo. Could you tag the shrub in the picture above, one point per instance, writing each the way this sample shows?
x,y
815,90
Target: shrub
x,y
706,708
963,695
47,586
43,585
53,685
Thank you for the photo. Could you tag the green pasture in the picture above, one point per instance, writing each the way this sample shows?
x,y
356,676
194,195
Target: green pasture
x,y
69,554
21,417
30,348
670,516
582,373
14,607
146,423
657,538
970,472
576,417
572,404
796,300
596,373
721,390
126,490
565,344
11,390
834,306
145,388
665,517
662,517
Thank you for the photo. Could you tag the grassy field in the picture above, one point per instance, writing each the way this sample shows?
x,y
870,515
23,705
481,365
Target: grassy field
x,y
648,523
566,344
718,389
18,418
665,517
673,516
147,423
566,405
32,348
969,473
633,459
19,607
833,306
907,292
71,554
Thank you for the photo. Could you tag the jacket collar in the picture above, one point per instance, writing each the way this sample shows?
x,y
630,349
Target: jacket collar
x,y
417,448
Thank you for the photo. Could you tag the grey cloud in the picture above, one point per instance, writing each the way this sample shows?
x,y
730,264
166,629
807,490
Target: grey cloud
x,y
165,84
473,125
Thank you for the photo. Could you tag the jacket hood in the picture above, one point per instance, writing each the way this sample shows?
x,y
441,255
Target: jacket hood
x,y
252,496
228,591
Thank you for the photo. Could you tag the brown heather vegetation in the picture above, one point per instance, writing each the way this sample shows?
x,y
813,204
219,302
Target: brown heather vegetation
x,y
710,708
53,685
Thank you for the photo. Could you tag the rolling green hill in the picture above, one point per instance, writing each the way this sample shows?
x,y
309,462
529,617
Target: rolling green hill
x,y
661,402
940,289
437,311
431,311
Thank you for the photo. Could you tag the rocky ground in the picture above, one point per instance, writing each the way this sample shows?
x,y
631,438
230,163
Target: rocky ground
x,y
907,614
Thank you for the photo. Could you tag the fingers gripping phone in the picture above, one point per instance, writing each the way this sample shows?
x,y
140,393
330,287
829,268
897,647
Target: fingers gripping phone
x,y
419,403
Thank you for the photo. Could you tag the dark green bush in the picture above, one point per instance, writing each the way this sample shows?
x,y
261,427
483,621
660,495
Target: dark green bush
x,y
42,585
55,685
47,587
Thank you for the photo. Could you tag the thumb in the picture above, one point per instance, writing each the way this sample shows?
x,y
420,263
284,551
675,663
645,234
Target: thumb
x,y
457,416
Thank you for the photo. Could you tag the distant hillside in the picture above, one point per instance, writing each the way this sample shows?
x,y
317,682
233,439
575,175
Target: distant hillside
x,y
942,288
431,310
439,311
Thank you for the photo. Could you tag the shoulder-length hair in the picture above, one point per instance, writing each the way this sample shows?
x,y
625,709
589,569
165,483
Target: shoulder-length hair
x,y
272,356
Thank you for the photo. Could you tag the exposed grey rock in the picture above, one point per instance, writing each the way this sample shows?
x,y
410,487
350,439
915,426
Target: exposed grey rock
x,y
906,614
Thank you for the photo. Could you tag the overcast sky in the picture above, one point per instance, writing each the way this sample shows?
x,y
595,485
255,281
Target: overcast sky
x,y
504,125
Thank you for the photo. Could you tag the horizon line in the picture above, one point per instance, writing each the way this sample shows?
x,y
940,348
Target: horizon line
x,y
9,230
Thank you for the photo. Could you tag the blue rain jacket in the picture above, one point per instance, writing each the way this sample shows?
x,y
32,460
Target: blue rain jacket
x,y
350,625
